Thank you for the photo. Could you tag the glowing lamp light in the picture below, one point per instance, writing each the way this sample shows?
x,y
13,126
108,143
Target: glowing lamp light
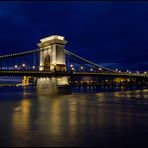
x,y
145,72
71,65
91,69
33,67
23,65
81,67
100,68
16,66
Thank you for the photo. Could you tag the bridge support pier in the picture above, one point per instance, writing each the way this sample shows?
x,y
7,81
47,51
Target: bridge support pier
x,y
53,85
46,86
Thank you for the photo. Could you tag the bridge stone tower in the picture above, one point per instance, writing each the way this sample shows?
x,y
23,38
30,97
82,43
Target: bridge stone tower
x,y
52,58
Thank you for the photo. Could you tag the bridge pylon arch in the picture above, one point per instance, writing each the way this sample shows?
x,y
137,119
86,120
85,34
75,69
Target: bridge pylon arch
x,y
52,46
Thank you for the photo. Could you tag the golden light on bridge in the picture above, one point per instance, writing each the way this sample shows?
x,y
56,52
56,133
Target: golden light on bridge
x,y
53,37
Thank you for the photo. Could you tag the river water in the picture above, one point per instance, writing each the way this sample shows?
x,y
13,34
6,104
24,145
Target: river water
x,y
90,116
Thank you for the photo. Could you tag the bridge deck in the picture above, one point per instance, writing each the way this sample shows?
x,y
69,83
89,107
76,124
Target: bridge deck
x,y
36,73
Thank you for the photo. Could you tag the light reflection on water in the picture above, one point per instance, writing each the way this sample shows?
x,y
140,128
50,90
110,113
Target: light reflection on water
x,y
78,119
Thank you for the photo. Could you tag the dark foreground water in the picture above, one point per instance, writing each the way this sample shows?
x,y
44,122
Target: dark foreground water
x,y
87,117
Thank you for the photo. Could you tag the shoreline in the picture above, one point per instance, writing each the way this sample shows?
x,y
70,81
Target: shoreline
x,y
78,85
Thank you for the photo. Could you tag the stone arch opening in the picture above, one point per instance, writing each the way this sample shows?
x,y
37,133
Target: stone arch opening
x,y
47,61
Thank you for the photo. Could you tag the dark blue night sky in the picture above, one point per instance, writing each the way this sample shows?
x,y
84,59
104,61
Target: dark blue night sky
x,y
115,33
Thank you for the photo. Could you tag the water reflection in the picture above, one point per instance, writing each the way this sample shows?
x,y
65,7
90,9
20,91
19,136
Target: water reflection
x,y
94,119
21,122
136,94
50,122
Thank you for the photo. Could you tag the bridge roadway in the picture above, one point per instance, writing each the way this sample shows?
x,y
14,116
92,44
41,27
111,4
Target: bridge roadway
x,y
35,73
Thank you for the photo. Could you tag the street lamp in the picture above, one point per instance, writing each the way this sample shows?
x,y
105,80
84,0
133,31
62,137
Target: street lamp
x,y
81,68
15,66
23,65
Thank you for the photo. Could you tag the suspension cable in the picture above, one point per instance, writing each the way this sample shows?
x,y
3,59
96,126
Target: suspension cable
x,y
19,54
70,53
